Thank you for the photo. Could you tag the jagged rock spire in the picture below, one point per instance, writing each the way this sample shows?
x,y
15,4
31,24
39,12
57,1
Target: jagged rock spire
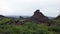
x,y
38,13
39,17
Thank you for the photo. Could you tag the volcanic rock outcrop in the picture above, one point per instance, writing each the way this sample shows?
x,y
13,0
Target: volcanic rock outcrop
x,y
1,16
39,17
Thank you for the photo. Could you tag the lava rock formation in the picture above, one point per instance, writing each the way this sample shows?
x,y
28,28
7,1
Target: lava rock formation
x,y
39,17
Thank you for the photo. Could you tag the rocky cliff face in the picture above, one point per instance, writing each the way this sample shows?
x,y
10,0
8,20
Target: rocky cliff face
x,y
39,17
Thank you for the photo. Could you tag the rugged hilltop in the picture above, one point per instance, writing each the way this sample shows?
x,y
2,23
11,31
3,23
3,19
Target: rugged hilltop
x,y
1,16
39,17
58,18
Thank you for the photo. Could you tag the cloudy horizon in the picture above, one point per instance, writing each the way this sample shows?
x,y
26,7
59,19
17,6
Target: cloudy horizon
x,y
27,7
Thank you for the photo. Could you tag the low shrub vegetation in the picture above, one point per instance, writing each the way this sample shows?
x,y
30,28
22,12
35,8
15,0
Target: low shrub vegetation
x,y
26,28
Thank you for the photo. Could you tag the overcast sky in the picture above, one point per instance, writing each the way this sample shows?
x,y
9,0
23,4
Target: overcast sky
x,y
27,7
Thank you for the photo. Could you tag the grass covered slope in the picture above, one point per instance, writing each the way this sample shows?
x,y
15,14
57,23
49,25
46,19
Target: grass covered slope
x,y
26,28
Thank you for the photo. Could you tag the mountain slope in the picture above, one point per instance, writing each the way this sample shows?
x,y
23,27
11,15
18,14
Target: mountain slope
x,y
58,18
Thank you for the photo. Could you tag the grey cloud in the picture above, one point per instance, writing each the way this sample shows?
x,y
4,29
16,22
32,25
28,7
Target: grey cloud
x,y
27,7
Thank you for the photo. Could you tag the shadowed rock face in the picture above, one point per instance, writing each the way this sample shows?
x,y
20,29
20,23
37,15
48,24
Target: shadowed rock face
x,y
39,17
2,16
